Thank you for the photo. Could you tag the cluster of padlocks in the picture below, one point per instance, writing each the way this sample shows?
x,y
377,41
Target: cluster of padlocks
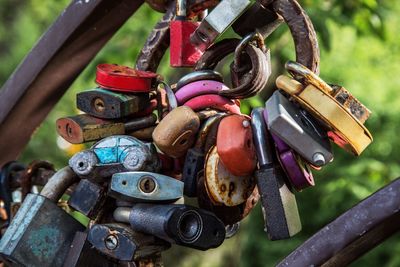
x,y
156,143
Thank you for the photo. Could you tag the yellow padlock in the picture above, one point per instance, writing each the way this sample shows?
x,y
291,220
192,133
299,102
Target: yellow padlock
x,y
346,130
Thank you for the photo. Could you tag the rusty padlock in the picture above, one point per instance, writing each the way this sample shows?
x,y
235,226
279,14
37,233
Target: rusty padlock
x,y
235,145
182,52
84,128
175,134
222,186
124,79
111,105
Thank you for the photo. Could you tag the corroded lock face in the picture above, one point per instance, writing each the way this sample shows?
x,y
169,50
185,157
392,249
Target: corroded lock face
x,y
235,145
176,133
222,186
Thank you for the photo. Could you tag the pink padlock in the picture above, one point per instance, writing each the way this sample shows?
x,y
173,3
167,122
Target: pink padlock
x,y
215,102
198,88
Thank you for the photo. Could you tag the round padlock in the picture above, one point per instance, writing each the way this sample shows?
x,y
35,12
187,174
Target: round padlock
x,y
222,186
198,88
235,145
214,102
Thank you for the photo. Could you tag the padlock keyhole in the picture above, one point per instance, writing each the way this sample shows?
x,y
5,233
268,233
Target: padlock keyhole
x,y
99,105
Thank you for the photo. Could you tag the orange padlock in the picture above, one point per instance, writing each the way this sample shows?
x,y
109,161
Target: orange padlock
x,y
235,145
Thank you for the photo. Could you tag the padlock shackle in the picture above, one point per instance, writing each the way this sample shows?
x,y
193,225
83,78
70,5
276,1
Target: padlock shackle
x,y
59,183
121,214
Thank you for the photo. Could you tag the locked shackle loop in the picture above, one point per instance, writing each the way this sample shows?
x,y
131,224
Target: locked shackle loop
x,y
248,39
302,73
59,183
172,102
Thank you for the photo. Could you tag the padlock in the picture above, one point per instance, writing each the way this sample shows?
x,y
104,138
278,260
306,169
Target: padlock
x,y
198,76
344,128
218,21
124,79
83,254
278,203
198,88
182,52
175,134
180,224
297,170
115,154
214,102
227,214
121,243
195,156
84,128
87,198
298,130
106,104
222,186
257,18
235,145
41,232
145,187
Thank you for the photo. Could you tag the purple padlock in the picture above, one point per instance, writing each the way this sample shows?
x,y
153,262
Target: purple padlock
x,y
297,170
203,87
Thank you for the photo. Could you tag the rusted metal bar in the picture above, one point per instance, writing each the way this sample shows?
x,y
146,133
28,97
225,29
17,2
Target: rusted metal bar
x,y
352,234
81,30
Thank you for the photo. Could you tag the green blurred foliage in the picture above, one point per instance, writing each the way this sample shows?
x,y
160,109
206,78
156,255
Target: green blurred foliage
x,y
360,50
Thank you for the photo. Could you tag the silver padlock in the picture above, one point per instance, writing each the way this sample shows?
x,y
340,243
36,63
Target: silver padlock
x,y
218,21
298,130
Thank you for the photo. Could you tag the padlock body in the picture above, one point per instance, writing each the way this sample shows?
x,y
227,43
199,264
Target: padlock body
x,y
235,145
297,129
110,105
84,128
87,198
194,163
124,79
39,235
223,187
182,52
197,88
145,187
175,134
215,102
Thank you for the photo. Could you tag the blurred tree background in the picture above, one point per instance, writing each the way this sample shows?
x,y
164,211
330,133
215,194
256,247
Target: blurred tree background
x,y
360,50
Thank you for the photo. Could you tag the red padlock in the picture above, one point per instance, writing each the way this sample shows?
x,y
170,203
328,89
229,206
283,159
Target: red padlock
x,y
124,79
235,145
182,52
215,102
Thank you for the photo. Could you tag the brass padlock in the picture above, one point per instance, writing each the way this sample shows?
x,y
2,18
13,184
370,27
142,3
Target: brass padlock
x,y
222,186
176,132
346,130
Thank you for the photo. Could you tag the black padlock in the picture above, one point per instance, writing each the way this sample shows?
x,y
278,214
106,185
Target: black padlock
x,y
180,224
278,202
194,161
88,198
41,233
82,254
120,242
111,105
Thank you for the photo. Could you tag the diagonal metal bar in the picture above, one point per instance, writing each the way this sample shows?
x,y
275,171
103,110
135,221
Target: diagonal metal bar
x,y
82,29
353,233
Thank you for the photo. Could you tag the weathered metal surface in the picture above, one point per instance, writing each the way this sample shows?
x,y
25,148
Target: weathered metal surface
x,y
110,105
214,102
39,235
125,79
87,198
58,184
353,233
145,187
235,145
353,135
174,135
224,187
198,76
53,64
